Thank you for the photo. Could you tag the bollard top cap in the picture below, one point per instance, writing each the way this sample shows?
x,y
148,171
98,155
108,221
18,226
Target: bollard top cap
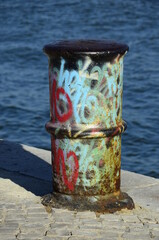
x,y
87,47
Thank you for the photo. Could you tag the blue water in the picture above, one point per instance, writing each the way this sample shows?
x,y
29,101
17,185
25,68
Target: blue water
x,y
25,26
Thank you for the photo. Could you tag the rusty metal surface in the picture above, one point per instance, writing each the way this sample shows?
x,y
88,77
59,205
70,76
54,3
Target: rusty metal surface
x,y
104,204
86,120
88,94
86,166
60,131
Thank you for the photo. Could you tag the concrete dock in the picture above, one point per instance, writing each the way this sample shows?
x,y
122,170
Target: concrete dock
x,y
25,176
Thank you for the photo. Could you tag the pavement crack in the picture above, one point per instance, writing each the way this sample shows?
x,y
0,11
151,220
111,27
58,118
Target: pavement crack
x,y
45,234
47,229
151,235
140,221
19,232
70,236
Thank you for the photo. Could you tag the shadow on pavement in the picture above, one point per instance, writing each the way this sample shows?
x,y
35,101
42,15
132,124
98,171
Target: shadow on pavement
x,y
26,169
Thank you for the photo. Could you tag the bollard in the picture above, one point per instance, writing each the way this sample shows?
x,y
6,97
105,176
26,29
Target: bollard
x,y
86,87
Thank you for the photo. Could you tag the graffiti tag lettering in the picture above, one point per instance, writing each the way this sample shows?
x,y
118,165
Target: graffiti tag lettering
x,y
59,164
55,95
84,90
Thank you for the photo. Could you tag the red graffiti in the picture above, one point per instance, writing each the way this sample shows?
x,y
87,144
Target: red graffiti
x,y
59,160
55,95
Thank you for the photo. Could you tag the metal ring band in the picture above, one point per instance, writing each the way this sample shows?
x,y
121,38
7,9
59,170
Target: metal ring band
x,y
60,131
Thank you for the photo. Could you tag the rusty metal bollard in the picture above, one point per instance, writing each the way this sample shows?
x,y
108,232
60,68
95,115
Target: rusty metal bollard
x,y
86,87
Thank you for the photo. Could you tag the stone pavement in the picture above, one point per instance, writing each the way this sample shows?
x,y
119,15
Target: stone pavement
x,y
25,176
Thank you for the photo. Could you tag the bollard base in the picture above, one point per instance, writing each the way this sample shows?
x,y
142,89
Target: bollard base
x,y
103,204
